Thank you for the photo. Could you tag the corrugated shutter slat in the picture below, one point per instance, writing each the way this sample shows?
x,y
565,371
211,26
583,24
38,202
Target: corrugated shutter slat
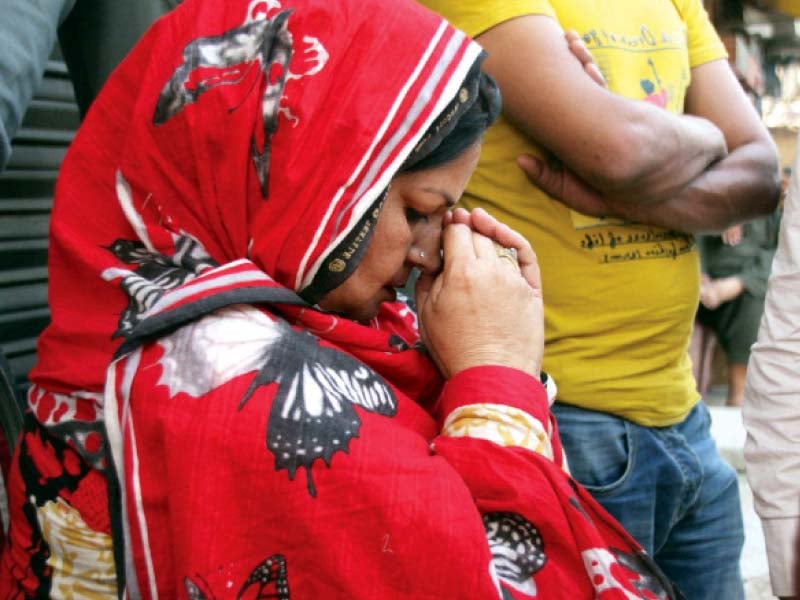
x,y
26,190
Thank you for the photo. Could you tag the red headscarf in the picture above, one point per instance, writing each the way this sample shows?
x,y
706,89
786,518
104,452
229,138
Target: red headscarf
x,y
236,131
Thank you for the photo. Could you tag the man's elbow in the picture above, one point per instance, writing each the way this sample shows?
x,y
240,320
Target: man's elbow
x,y
773,195
629,164
766,171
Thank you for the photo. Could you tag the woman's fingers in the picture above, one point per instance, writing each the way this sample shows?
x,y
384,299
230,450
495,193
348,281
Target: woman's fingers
x,y
483,245
460,215
422,290
479,310
483,223
487,225
457,245
507,256
489,238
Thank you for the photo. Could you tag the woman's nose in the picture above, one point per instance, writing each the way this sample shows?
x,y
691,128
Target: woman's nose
x,y
426,255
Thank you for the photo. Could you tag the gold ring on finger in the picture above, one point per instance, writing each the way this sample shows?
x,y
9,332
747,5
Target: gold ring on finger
x,y
508,253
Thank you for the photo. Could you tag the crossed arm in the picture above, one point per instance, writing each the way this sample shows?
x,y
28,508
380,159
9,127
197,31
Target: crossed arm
x,y
701,171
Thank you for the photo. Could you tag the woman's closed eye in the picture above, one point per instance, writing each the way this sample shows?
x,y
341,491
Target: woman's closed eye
x,y
414,216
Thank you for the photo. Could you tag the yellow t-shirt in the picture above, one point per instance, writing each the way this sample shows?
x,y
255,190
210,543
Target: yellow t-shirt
x,y
619,298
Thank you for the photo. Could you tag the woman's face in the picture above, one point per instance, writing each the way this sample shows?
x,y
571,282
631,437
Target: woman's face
x,y
407,234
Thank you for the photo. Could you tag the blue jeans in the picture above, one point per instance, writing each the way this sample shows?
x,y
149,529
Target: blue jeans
x,y
669,488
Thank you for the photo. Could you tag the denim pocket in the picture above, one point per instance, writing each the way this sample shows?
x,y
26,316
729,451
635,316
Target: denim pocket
x,y
599,447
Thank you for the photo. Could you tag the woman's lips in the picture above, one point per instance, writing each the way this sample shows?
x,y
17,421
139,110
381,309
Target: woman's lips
x,y
400,281
391,292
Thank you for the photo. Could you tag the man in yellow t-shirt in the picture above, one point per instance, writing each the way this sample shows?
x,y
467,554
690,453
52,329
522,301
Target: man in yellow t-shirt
x,y
670,146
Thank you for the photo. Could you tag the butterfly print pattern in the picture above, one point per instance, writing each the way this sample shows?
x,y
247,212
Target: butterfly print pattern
x,y
645,575
153,275
517,550
269,578
263,41
312,414
624,572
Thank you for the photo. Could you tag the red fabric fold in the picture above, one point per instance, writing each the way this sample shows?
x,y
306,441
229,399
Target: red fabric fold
x,y
493,384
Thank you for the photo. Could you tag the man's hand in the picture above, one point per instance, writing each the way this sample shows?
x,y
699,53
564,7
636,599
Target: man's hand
x,y
564,185
554,178
579,51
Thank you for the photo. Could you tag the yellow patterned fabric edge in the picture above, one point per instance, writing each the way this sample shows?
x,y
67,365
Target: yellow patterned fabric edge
x,y
503,425
82,559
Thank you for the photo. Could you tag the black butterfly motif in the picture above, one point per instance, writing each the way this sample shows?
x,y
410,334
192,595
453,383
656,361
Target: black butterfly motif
x,y
154,274
312,414
648,576
262,42
517,549
269,576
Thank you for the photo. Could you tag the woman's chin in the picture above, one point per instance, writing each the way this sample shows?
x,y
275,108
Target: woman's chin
x,y
369,309
362,309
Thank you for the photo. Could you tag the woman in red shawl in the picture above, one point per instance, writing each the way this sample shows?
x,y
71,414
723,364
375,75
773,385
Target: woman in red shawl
x,y
230,401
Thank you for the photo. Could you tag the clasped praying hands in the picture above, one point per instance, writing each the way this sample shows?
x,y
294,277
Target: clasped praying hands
x,y
482,308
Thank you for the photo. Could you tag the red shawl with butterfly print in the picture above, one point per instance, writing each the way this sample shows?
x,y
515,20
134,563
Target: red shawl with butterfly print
x,y
252,445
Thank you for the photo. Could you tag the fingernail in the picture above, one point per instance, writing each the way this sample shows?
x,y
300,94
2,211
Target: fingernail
x,y
530,164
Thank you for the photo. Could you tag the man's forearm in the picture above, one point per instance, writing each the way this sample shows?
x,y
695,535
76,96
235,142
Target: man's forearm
x,y
659,161
619,146
743,185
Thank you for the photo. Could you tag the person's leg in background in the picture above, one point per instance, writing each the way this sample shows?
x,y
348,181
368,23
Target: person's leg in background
x,y
670,490
701,351
736,374
736,325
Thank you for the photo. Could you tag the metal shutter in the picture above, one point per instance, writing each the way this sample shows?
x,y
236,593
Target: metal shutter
x,y
26,197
